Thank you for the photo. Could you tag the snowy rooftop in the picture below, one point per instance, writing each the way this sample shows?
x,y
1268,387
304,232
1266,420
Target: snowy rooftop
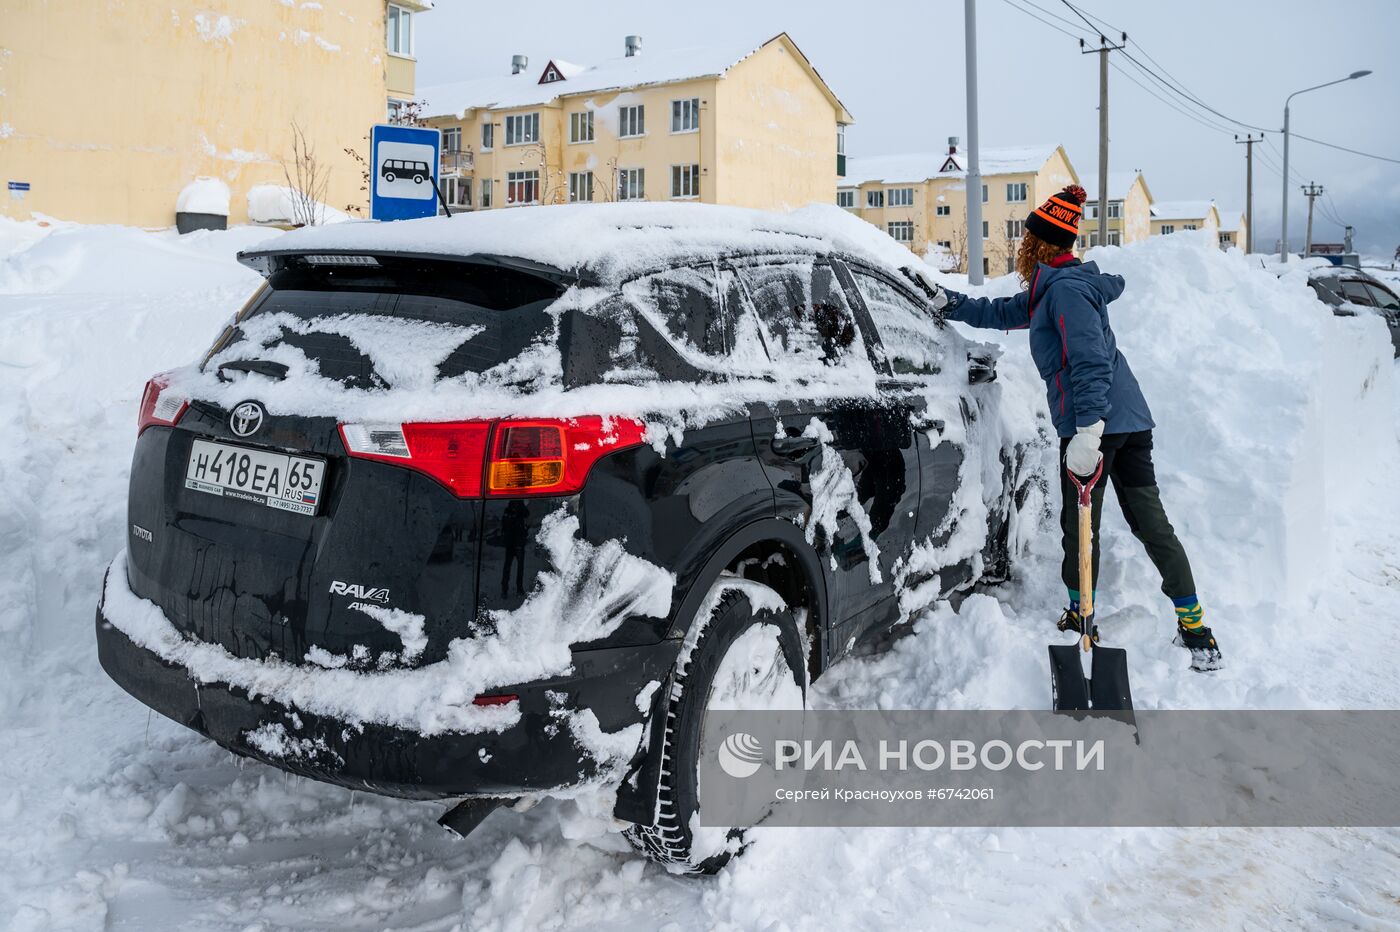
x,y
918,166
1181,210
1119,183
1230,219
611,242
502,92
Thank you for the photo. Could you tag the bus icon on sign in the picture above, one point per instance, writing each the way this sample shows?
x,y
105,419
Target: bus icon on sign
x,y
393,169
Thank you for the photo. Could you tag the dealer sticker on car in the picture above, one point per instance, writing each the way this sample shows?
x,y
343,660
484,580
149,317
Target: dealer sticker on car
x,y
278,480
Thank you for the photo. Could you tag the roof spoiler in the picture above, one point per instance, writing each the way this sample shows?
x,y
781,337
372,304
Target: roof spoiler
x,y
267,261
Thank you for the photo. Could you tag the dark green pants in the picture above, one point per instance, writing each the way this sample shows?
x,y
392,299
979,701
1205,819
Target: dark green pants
x,y
1127,463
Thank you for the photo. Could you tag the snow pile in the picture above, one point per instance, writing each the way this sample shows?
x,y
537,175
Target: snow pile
x,y
203,196
278,204
589,592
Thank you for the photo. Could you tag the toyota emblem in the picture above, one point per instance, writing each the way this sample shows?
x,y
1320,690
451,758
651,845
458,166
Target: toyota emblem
x,y
246,419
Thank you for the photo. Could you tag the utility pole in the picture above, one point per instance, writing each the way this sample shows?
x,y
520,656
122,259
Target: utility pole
x,y
1102,201
1313,192
1248,142
974,169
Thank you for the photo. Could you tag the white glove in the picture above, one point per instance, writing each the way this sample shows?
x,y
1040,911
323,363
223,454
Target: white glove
x,y
937,297
1082,456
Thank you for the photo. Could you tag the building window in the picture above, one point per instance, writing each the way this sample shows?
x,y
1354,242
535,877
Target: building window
x,y
943,210
901,231
486,192
1188,226
457,191
840,138
1016,192
845,198
452,139
901,197
1015,229
523,187
400,31
1226,239
1115,209
580,187
1093,211
631,184
581,126
1168,228
632,121
986,230
685,180
522,129
984,194
394,110
874,198
945,243
1115,238
685,115
488,136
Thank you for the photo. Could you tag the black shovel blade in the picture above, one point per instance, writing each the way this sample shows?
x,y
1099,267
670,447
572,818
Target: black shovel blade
x,y
1069,689
1108,680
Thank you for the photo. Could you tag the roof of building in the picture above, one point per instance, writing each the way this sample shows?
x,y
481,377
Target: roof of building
x,y
919,166
1119,183
1181,210
502,92
1230,219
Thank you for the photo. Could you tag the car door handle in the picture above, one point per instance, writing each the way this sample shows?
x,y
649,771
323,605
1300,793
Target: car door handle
x,y
794,447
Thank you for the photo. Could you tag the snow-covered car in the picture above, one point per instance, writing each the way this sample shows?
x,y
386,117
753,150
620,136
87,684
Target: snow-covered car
x,y
1350,291
493,506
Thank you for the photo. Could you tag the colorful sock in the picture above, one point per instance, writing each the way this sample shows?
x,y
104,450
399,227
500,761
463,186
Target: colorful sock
x,y
1074,599
1189,613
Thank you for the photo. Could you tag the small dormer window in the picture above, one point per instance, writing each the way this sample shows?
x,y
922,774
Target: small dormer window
x,y
950,164
551,74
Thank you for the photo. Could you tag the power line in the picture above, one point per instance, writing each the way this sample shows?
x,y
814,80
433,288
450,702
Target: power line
x,y
1045,21
1195,117
1333,145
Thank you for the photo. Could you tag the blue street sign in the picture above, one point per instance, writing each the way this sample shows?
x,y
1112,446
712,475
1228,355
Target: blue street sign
x,y
403,172
19,186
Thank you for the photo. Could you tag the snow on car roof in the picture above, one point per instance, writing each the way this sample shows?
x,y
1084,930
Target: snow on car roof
x,y
920,166
611,242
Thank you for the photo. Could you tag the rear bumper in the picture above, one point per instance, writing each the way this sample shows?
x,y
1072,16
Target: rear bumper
x,y
538,753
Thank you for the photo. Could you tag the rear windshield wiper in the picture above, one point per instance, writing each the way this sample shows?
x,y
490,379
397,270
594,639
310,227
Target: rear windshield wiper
x,y
273,370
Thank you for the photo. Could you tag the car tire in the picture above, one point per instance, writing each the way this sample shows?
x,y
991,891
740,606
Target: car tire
x,y
389,177
708,657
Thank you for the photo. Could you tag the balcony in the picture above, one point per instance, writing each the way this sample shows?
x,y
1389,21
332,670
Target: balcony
x,y
455,162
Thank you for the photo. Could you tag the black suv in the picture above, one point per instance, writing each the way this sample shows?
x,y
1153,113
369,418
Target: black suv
x,y
1345,289
479,600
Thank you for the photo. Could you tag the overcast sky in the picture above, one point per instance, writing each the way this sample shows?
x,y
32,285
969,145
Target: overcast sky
x,y
898,67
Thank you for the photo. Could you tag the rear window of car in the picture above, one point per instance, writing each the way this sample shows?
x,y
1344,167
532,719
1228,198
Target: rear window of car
x,y
400,321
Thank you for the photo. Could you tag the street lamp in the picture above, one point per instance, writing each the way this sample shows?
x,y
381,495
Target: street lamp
x,y
1351,77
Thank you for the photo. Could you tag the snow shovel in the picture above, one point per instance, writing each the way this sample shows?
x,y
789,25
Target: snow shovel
x,y
1106,687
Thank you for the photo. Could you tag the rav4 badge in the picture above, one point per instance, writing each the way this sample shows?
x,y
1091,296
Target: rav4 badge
x,y
355,591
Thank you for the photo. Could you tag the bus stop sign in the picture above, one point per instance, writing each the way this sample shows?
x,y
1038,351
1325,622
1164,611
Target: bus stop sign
x,y
403,172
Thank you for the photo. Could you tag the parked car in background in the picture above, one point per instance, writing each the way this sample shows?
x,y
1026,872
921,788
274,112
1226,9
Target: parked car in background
x,y
1351,291
480,508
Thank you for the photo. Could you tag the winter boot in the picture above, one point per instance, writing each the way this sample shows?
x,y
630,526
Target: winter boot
x,y
1205,653
1071,621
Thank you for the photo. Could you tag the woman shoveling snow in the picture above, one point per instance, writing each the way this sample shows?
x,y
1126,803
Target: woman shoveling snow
x,y
1097,407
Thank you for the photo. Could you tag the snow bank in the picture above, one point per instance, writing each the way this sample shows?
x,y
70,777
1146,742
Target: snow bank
x,y
203,196
276,203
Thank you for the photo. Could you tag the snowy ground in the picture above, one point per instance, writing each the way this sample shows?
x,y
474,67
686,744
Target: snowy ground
x,y
1277,450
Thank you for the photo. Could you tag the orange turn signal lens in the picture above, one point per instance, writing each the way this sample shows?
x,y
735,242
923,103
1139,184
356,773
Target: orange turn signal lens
x,y
528,474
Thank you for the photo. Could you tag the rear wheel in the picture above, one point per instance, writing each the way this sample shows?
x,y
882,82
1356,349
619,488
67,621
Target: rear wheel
x,y
746,653
389,176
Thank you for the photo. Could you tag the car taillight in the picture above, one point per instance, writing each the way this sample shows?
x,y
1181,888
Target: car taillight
x,y
527,457
159,406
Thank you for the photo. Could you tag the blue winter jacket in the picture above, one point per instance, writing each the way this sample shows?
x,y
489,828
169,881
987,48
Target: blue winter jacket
x,y
1072,343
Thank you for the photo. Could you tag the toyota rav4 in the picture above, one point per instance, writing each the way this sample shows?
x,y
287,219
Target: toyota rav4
x,y
494,506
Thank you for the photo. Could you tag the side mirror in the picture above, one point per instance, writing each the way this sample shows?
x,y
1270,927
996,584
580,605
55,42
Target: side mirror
x,y
981,369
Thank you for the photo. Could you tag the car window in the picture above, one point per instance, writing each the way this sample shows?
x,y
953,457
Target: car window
x,y
1356,293
913,340
1383,298
804,320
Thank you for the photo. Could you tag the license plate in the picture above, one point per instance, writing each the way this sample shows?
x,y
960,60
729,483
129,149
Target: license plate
x,y
277,480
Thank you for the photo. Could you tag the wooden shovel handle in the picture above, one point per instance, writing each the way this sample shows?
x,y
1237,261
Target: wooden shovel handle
x,y
1086,543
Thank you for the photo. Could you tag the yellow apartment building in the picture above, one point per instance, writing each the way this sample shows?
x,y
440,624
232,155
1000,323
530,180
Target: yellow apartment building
x,y
1234,229
920,199
752,125
1176,216
1129,209
109,110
